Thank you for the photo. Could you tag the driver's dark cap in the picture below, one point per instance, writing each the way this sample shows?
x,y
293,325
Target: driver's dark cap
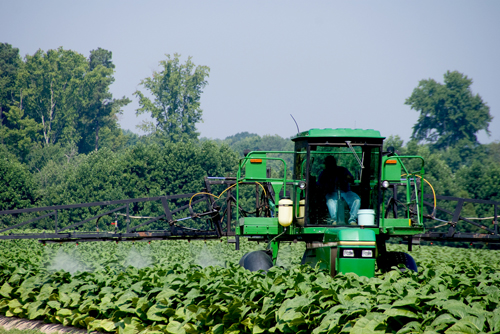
x,y
330,160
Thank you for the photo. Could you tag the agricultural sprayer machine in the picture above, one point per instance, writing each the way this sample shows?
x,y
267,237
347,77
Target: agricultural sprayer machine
x,y
338,192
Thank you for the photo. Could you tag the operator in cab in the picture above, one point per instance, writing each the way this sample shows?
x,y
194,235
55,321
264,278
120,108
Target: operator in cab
x,y
335,182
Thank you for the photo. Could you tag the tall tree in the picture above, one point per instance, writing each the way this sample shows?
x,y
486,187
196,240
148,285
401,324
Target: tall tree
x,y
60,97
10,62
176,91
49,87
100,107
449,112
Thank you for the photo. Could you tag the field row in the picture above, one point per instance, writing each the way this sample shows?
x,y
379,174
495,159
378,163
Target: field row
x,y
181,287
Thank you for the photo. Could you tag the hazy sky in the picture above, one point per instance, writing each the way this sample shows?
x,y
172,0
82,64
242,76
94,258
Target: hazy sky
x,y
331,64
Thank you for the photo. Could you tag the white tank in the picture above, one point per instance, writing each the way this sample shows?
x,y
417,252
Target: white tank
x,y
285,212
302,212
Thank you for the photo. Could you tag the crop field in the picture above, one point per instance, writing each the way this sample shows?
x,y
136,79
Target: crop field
x,y
198,287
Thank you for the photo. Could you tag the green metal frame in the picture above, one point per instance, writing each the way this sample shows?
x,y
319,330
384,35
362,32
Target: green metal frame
x,y
403,226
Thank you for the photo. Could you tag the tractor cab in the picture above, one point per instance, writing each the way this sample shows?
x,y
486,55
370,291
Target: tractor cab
x,y
339,173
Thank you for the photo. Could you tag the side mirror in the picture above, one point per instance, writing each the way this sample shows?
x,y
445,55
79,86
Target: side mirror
x,y
390,150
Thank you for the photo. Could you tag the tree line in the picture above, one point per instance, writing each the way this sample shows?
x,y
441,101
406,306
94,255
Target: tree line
x,y
60,141
456,164
57,97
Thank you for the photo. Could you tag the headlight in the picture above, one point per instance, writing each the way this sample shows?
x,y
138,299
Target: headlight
x,y
366,253
302,185
385,184
348,253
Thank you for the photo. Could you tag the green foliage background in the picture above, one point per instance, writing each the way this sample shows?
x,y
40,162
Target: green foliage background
x,y
60,141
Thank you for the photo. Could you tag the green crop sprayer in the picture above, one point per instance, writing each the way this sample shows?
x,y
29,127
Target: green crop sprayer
x,y
338,192
350,239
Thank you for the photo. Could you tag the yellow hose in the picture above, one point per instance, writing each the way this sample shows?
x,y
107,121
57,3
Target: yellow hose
x,y
432,188
204,193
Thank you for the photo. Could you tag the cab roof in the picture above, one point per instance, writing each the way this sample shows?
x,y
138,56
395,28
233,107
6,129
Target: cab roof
x,y
338,133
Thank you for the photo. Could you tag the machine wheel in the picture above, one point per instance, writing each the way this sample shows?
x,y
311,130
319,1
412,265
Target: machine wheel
x,y
386,261
257,260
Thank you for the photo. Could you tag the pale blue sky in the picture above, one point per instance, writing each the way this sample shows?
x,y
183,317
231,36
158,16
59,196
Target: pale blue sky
x,y
329,63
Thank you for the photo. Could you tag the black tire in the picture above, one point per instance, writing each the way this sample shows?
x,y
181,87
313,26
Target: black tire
x,y
386,261
257,260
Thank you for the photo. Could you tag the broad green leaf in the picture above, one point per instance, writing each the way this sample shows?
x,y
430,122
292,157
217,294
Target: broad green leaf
x,y
175,327
443,319
218,329
413,327
65,299
45,292
64,312
6,290
457,308
329,322
494,320
407,301
463,327
54,304
292,318
17,311
14,303
165,296
130,325
400,312
371,323
36,309
155,313
128,296
105,324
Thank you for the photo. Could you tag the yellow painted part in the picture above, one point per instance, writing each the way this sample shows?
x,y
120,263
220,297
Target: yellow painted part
x,y
357,243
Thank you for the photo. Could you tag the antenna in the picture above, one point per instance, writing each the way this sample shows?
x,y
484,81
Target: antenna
x,y
298,131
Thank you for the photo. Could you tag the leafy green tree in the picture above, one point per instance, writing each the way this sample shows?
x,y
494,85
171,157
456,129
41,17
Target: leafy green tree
x,y
146,169
394,141
258,143
244,141
100,107
231,140
152,169
61,97
39,156
87,178
463,154
131,138
176,92
17,131
101,57
493,150
17,187
49,93
481,180
437,172
10,62
449,112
